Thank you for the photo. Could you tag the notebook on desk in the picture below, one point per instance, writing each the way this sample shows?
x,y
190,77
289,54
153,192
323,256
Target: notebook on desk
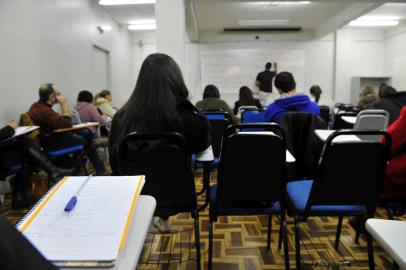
x,y
90,235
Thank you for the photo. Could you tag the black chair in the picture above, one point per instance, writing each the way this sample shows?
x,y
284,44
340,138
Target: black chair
x,y
302,142
251,178
164,160
340,123
325,113
347,184
219,121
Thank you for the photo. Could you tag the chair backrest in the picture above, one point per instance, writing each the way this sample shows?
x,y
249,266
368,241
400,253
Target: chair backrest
x,y
372,120
325,113
253,116
252,164
350,173
75,117
32,137
302,142
219,121
165,162
247,108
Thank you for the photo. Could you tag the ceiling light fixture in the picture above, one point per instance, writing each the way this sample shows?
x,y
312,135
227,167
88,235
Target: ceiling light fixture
x,y
373,23
282,2
125,2
263,22
142,25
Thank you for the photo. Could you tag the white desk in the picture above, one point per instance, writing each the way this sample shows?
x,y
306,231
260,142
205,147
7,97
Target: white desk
x,y
323,134
350,119
391,235
128,258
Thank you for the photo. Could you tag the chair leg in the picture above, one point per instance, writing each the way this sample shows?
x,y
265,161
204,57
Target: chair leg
x,y
285,244
268,243
338,232
197,240
370,251
210,245
282,220
297,244
82,159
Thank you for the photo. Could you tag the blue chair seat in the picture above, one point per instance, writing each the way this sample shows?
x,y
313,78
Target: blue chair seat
x,y
65,151
215,116
298,194
244,208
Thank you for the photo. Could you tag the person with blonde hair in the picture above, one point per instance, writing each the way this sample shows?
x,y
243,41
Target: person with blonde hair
x,y
103,103
368,97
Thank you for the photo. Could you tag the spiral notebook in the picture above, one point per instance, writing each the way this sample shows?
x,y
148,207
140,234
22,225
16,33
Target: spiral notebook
x,y
94,231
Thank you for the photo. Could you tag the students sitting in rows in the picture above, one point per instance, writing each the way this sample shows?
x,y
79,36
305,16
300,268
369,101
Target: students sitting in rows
x,y
246,98
19,151
159,103
42,115
390,100
211,101
290,100
103,103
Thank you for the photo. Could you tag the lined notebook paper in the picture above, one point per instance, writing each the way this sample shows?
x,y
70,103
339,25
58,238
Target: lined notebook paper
x,y
94,230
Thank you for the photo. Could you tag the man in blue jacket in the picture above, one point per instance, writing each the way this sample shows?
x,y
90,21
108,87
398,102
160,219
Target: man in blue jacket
x,y
290,100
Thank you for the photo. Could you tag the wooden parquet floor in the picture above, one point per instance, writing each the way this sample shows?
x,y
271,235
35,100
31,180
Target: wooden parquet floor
x,y
240,243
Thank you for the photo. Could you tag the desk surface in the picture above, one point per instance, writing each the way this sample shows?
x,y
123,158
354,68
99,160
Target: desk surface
x,y
350,119
77,127
128,257
391,236
323,134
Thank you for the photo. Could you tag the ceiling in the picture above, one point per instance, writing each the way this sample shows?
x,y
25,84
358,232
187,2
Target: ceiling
x,y
320,16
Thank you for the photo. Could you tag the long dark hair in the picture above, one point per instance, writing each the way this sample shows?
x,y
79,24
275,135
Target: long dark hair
x,y
246,98
315,90
152,105
211,91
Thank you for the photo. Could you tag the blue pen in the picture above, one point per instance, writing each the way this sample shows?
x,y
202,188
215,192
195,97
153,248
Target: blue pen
x,y
72,202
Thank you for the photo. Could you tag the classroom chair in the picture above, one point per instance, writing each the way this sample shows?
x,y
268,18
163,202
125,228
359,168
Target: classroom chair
x,y
165,162
325,113
347,183
251,184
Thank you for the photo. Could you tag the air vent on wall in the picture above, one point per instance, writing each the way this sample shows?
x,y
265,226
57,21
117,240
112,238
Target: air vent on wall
x,y
263,29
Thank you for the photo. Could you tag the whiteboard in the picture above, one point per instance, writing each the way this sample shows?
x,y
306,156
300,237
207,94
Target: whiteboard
x,y
231,69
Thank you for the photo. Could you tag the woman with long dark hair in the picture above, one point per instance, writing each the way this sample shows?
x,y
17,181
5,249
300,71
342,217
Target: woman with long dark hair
x,y
246,98
159,104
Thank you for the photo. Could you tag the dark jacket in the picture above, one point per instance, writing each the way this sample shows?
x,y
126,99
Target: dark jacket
x,y
238,104
6,132
195,128
216,104
294,103
17,253
392,103
302,143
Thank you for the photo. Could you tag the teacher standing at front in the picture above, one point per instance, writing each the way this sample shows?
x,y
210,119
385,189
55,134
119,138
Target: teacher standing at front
x,y
264,83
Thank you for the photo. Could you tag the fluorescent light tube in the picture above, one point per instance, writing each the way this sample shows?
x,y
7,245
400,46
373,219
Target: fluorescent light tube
x,y
125,2
373,23
135,27
264,22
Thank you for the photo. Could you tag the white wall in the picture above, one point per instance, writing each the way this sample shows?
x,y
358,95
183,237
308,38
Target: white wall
x,y
395,56
359,53
329,62
52,41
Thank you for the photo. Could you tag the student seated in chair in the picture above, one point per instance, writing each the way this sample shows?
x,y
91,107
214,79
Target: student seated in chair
x,y
42,115
159,103
211,101
19,151
290,100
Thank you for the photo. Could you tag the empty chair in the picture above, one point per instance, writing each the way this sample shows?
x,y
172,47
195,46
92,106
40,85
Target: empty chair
x,y
347,183
372,120
165,162
251,184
